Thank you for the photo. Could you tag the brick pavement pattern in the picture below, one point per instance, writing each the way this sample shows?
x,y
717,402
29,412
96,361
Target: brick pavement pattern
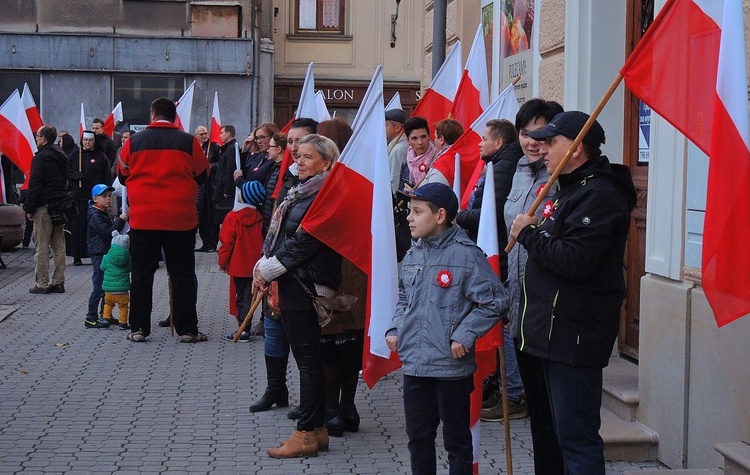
x,y
76,400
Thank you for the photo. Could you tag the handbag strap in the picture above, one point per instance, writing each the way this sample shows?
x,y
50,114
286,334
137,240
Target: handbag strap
x,y
307,290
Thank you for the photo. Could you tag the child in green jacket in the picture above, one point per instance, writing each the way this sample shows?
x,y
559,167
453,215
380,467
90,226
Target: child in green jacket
x,y
116,265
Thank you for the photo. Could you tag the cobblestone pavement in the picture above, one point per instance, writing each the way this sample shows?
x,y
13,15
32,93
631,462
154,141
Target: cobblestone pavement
x,y
77,400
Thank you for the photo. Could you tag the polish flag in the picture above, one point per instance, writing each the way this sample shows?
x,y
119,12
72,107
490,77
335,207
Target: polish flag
x,y
32,111
308,108
505,106
214,134
689,68
16,137
185,108
356,197
473,93
114,118
83,124
395,102
487,345
436,101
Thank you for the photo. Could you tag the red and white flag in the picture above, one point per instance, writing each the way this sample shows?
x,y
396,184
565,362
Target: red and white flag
x,y
16,137
505,106
355,198
689,68
83,124
486,346
185,108
214,134
32,111
114,118
394,103
436,101
473,93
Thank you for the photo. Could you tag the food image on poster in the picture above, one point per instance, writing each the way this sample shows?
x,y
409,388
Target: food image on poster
x,y
516,26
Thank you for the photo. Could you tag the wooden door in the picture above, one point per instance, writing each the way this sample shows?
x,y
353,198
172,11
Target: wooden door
x,y
639,17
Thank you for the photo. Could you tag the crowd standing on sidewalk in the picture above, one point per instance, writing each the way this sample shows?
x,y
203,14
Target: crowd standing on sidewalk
x,y
179,185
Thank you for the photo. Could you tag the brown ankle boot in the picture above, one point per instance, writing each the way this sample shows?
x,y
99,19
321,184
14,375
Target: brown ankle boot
x,y
300,444
321,435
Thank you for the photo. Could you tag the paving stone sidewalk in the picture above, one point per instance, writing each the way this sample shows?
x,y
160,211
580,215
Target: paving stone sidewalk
x,y
76,400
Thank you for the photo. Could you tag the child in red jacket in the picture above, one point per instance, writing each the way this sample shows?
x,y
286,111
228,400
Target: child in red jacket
x,y
241,239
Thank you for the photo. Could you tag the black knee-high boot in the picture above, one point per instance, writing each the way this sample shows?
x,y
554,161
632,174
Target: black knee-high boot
x,y
276,391
350,365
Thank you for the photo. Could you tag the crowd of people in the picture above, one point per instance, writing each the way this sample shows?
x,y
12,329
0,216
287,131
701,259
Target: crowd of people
x,y
558,293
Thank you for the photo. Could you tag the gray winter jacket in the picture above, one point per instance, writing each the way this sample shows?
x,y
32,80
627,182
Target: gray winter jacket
x,y
447,292
529,178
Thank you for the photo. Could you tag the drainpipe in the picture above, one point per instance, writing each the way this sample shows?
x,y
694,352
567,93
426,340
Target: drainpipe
x,y
439,13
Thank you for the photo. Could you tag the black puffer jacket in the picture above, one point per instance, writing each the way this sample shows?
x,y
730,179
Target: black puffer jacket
x,y
302,254
99,234
49,178
573,286
504,163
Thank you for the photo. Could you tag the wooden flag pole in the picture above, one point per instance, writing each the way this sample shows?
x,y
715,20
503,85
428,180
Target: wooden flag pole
x,y
569,153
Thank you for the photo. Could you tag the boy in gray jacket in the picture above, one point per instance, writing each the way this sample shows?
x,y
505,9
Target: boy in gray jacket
x,y
449,296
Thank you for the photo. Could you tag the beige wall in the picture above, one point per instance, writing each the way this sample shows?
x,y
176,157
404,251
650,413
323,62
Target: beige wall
x,y
367,44
462,19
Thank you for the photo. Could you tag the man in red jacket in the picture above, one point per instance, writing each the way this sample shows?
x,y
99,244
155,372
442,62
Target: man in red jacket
x,y
162,167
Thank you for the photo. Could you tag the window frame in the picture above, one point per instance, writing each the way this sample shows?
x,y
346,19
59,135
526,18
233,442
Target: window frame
x,y
319,29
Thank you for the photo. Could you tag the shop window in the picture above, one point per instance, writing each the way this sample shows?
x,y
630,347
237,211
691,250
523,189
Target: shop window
x,y
319,16
138,92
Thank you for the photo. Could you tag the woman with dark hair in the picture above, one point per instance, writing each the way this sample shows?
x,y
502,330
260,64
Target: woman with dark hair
x,y
302,266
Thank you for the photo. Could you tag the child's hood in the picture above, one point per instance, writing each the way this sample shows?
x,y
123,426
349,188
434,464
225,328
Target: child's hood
x,y
248,216
118,256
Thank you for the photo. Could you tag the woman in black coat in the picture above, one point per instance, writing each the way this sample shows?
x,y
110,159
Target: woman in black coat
x,y
88,166
302,266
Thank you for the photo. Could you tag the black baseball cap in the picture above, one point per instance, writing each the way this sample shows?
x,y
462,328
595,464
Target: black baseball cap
x,y
569,124
439,194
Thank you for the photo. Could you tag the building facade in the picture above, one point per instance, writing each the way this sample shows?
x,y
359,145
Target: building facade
x,y
693,382
346,40
103,52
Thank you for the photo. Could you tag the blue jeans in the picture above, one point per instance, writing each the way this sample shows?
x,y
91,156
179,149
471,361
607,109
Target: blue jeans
x,y
97,294
275,342
575,396
427,401
515,386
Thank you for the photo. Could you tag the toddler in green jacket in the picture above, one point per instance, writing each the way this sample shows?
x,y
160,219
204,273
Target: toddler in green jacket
x,y
116,265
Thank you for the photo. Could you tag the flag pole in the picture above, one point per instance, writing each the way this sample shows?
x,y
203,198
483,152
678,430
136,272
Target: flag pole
x,y
257,299
569,153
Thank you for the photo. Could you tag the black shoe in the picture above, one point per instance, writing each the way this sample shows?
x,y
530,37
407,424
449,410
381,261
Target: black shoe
x,y
210,249
57,288
39,290
294,414
351,418
98,323
164,323
268,400
201,249
334,423
77,262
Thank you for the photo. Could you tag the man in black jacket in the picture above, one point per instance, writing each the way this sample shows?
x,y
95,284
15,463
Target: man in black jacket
x,y
106,144
574,286
47,186
223,180
207,228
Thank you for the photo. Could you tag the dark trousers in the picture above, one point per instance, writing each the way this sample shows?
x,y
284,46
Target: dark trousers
x,y
427,401
575,395
145,249
303,331
243,296
97,294
548,458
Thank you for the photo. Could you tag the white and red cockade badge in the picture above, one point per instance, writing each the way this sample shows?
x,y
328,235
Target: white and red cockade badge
x,y
444,278
539,190
549,208
422,167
